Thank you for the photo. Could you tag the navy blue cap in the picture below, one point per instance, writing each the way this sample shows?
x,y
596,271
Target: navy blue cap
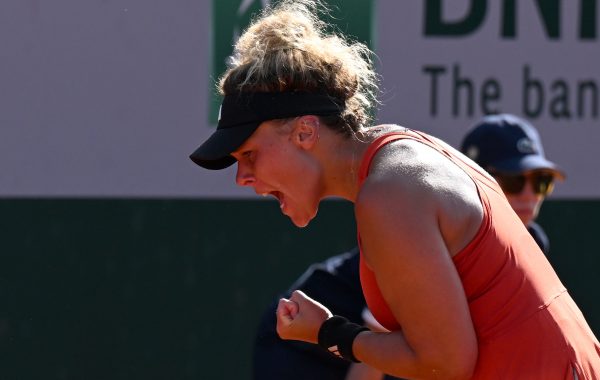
x,y
507,144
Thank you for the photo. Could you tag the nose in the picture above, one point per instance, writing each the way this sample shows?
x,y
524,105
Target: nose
x,y
244,176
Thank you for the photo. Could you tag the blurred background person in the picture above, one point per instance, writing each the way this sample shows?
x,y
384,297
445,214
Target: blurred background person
x,y
510,149
334,282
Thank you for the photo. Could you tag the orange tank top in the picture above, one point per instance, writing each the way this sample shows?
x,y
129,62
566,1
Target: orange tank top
x,y
507,280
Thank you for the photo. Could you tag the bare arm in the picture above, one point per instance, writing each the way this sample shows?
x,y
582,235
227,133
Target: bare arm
x,y
405,248
361,371
414,211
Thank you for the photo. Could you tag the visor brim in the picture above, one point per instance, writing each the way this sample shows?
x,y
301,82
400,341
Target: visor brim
x,y
215,152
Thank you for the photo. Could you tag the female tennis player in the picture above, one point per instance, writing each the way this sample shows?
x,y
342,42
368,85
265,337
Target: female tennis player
x,y
446,264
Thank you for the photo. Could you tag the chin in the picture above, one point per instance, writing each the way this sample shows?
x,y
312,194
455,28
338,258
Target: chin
x,y
301,225
301,222
301,217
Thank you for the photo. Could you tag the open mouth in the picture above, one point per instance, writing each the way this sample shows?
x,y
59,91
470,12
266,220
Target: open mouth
x,y
279,196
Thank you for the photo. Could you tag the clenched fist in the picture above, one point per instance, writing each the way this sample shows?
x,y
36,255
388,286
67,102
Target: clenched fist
x,y
300,317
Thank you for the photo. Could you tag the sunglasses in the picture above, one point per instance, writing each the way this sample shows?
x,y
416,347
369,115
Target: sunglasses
x,y
542,183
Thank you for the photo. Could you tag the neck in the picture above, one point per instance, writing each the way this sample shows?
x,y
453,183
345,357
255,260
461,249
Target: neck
x,y
340,159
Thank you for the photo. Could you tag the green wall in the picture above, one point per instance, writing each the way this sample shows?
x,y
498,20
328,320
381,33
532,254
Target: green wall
x,y
572,227
172,289
146,289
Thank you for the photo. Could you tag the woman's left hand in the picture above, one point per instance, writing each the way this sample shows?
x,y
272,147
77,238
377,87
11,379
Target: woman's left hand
x,y
300,317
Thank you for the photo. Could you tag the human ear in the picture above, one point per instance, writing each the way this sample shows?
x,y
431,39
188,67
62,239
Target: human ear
x,y
306,131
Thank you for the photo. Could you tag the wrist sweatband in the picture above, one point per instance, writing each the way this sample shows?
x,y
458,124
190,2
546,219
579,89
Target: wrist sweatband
x,y
337,334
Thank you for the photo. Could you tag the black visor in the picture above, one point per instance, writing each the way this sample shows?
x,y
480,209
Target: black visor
x,y
242,113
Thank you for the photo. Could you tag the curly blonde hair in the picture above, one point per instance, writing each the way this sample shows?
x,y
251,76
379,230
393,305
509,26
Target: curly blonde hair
x,y
287,48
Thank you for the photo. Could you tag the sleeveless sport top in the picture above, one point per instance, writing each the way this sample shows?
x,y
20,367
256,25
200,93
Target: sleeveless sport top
x,y
527,325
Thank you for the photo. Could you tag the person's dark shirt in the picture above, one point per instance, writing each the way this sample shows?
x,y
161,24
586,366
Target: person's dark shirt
x,y
336,284
539,236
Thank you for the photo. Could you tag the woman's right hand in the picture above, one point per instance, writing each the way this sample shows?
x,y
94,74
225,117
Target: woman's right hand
x,y
300,317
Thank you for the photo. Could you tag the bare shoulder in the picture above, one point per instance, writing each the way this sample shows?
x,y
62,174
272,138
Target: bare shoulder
x,y
410,182
404,171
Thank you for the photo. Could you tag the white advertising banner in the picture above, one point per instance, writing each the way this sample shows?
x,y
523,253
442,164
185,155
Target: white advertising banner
x,y
446,63
104,98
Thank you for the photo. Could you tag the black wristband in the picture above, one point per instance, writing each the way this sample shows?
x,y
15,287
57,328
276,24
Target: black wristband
x,y
337,334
